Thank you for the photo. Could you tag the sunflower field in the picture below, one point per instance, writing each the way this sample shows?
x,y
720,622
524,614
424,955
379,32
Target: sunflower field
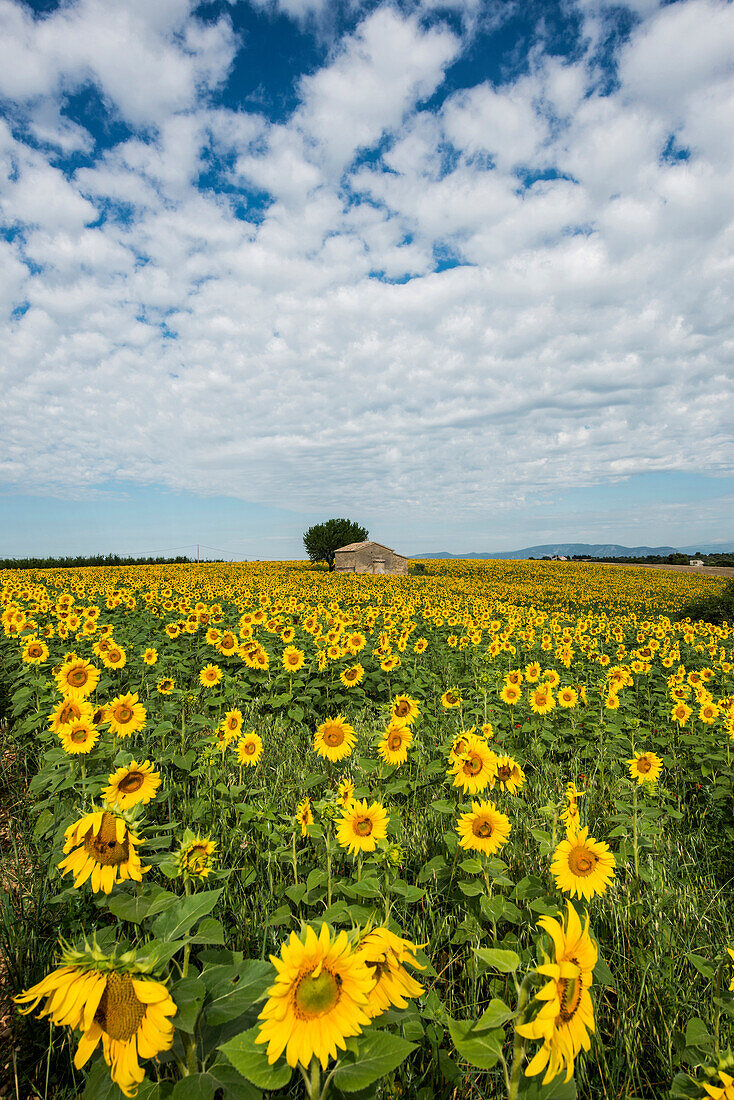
x,y
268,831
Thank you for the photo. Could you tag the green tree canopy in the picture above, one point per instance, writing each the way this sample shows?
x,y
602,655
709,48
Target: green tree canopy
x,y
323,539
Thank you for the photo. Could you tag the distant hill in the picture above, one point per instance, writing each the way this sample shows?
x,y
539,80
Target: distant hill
x,y
566,550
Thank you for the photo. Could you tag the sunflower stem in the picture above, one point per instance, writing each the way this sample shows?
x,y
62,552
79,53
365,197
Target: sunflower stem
x,y
518,1047
634,831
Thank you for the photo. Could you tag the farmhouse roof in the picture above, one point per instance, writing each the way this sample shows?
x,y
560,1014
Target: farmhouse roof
x,y
367,542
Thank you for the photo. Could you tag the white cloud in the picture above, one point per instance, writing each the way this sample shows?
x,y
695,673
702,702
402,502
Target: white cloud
x,y
585,337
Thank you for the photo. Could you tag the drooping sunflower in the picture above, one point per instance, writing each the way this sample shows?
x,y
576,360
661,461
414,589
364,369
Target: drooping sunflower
x,y
334,739
352,676
450,699
318,1000
210,675
566,1015
101,847
404,710
304,815
474,768
77,679
484,829
132,784
645,767
78,737
293,659
582,866
393,748
250,749
385,954
125,714
509,776
108,999
195,855
361,826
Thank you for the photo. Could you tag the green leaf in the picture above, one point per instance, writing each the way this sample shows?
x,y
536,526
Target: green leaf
x,y
492,958
188,994
406,891
495,1015
471,866
209,931
199,1086
480,1049
602,974
377,1053
443,806
250,1060
180,918
234,989
698,1036
702,965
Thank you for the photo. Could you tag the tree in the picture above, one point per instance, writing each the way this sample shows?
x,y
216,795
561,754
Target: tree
x,y
323,539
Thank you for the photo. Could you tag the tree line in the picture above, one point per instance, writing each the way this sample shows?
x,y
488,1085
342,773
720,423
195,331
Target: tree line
x,y
91,559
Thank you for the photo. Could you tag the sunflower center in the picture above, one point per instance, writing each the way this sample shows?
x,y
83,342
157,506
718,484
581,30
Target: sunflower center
x,y
643,765
123,714
105,847
315,996
197,858
34,651
350,674
78,735
131,783
68,713
450,699
249,747
334,736
582,861
120,1013
394,742
482,827
78,677
569,995
504,771
473,765
402,709
363,826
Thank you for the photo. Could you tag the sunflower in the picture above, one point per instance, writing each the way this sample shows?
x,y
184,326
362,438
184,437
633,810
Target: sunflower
x,y
195,855
232,721
510,694
474,768
450,699
150,656
681,713
404,710
509,775
77,679
304,815
645,767
68,711
484,829
387,664
126,715
542,700
567,698
361,826
393,748
384,954
210,675
227,644
708,713
128,1011
35,652
345,793
566,1014
114,657
583,866
532,672
133,784
78,737
420,646
293,659
100,846
352,676
723,1090
459,745
334,739
250,749
166,685
319,998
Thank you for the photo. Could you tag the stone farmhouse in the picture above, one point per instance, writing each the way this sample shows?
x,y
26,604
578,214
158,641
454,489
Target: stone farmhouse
x,y
369,557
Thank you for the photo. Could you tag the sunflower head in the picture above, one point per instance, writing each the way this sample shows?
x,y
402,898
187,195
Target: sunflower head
x,y
361,826
386,956
133,784
334,739
195,856
101,847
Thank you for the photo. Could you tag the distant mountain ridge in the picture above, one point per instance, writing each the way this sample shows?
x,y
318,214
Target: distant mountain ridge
x,y
569,549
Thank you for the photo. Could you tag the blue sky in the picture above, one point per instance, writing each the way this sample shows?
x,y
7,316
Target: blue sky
x,y
458,269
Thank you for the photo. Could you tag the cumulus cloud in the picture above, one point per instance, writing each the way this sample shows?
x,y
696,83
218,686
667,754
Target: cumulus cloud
x,y
402,295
